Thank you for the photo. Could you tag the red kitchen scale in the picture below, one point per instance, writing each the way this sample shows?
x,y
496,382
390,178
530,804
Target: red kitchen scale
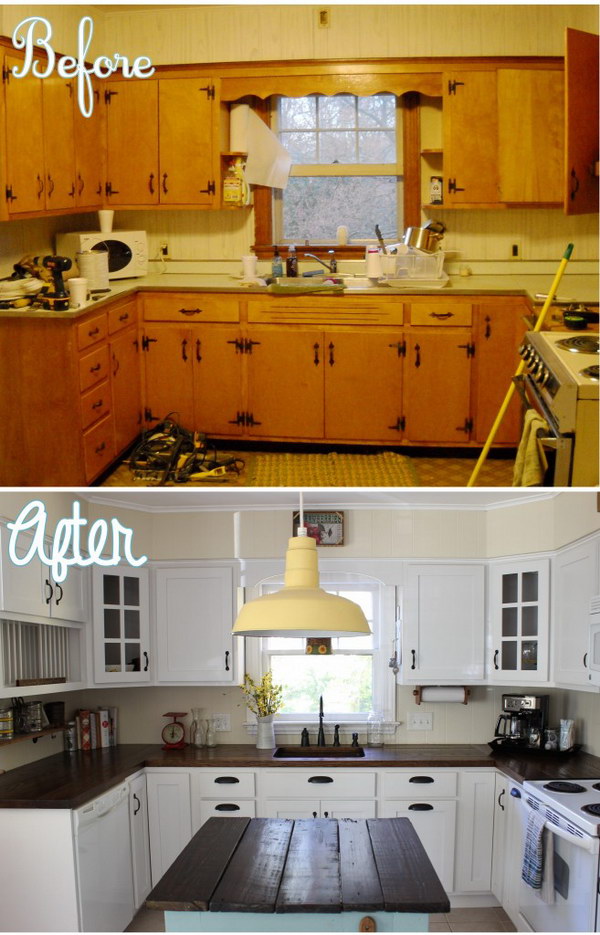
x,y
173,733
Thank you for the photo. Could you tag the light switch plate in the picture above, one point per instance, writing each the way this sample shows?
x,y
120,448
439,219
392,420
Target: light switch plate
x,y
419,721
222,721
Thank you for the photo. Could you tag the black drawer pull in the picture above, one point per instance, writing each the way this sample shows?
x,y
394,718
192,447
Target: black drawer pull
x,y
421,779
420,807
321,779
226,780
227,807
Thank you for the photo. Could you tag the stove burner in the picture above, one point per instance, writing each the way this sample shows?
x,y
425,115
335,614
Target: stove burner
x,y
580,344
596,786
591,372
592,809
562,786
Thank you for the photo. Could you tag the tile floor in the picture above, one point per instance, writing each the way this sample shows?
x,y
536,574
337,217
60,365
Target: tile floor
x,y
458,920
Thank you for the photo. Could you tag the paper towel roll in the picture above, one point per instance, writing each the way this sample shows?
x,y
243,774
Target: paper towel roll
x,y
446,693
267,163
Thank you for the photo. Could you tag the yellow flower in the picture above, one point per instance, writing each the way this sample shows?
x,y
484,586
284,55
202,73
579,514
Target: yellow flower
x,y
264,698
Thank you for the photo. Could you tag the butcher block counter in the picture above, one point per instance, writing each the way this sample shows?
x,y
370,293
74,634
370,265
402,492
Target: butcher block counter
x,y
242,875
69,780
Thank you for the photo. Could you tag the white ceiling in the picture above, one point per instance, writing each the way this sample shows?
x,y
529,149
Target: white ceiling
x,y
173,500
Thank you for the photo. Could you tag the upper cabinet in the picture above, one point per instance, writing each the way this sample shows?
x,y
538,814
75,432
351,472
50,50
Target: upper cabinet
x,y
519,621
581,88
575,580
121,624
172,128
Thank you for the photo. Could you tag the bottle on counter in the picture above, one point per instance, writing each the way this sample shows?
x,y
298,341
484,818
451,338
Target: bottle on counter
x,y
276,264
211,733
375,729
291,263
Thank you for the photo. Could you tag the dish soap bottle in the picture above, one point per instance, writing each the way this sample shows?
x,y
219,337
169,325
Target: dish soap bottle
x,y
276,264
291,264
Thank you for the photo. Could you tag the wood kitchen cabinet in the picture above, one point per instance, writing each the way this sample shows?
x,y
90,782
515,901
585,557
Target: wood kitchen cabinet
x,y
131,142
470,138
581,144
90,170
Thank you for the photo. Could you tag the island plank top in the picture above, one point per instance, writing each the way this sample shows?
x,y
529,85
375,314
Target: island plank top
x,y
310,865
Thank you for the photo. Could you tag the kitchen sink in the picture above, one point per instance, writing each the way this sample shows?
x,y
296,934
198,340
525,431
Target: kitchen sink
x,y
318,753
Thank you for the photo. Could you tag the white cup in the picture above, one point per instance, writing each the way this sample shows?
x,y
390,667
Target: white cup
x,y
249,266
105,218
78,291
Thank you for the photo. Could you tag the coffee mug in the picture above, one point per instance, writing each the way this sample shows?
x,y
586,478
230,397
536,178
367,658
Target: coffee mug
x,y
78,291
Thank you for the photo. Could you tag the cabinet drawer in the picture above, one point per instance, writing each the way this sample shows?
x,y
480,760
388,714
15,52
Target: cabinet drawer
x,y
441,313
122,315
332,310
93,368
190,306
95,404
98,448
91,331
318,782
226,808
419,784
225,783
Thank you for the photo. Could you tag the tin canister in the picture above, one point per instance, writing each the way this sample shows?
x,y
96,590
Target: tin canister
x,y
70,737
6,724
32,717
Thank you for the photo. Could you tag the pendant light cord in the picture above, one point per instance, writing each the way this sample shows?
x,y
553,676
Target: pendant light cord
x,y
301,527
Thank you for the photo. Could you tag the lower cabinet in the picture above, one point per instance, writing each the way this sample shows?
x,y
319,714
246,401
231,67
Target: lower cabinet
x,y
222,794
303,793
474,832
140,839
499,836
318,808
169,817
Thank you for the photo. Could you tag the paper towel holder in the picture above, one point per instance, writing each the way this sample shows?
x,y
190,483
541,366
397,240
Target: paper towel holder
x,y
417,692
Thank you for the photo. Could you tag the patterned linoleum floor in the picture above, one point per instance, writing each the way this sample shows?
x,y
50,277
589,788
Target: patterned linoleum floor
x,y
458,920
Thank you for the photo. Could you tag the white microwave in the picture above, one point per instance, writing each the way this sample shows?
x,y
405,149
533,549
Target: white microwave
x,y
127,250
593,660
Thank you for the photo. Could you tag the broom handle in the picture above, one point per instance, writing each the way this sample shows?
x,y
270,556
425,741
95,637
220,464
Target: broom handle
x,y
538,325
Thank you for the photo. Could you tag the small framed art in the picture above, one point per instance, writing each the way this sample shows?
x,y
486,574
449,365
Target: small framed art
x,y
326,526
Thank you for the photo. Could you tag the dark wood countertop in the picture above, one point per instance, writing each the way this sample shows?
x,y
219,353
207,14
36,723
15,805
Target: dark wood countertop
x,y
317,865
69,780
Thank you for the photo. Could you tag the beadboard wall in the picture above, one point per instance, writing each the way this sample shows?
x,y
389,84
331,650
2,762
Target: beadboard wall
x,y
229,32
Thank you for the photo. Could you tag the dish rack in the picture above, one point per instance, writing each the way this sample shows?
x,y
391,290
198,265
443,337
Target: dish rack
x,y
417,265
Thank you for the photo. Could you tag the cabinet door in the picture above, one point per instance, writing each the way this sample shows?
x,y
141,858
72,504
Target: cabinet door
x,y
437,376
132,142
194,613
90,169
470,125
575,582
474,832
140,839
531,160
25,141
443,623
217,354
366,369
22,586
435,824
498,334
59,145
519,621
121,627
69,600
285,383
499,839
168,373
186,116
581,86
169,818
347,808
291,808
125,387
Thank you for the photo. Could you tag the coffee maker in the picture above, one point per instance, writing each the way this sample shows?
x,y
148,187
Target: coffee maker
x,y
522,722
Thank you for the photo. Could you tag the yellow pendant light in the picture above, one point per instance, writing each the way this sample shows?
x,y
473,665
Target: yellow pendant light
x,y
301,608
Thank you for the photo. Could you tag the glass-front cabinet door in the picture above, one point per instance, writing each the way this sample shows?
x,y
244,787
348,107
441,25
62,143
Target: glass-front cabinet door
x,y
519,616
121,626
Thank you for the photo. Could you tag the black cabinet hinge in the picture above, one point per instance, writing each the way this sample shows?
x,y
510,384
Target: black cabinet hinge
x,y
453,85
248,345
467,428
400,348
148,417
5,74
210,91
210,188
469,348
146,342
400,424
108,95
9,193
453,187
244,418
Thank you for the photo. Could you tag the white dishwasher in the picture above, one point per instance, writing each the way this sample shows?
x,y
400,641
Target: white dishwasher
x,y
104,866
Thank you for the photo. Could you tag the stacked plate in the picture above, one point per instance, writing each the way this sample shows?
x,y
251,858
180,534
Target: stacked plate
x,y
18,293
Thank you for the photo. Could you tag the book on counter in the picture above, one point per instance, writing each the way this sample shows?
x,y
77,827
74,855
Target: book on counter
x,y
96,729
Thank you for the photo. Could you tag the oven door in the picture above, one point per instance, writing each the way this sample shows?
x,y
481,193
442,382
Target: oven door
x,y
573,908
557,447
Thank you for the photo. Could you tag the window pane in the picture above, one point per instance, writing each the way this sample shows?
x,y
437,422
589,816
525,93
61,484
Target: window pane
x,y
297,113
302,147
337,146
376,146
338,111
313,208
377,111
344,681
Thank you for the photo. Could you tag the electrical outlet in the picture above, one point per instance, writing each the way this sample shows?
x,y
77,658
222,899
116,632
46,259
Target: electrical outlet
x,y
323,18
164,250
516,251
419,721
222,721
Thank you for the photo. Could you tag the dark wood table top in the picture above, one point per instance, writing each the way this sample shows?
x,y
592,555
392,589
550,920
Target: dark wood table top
x,y
308,865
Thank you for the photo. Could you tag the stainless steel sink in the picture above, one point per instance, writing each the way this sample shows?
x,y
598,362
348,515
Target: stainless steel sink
x,y
318,753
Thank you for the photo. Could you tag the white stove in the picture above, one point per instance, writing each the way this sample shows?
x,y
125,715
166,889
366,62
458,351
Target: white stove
x,y
577,801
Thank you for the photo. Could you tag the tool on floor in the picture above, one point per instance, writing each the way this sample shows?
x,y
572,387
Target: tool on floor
x,y
538,327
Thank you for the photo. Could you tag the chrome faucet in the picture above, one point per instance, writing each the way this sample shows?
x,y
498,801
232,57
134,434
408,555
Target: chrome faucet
x,y
331,266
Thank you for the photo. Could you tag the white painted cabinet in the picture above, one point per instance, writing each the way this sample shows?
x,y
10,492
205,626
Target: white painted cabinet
x,y
574,583
499,836
194,618
169,816
435,823
140,839
121,625
474,832
443,624
516,822
519,621
319,808
317,793
222,793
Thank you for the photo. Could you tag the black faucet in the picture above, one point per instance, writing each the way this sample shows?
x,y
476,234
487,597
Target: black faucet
x,y
304,741
336,735
321,734
331,266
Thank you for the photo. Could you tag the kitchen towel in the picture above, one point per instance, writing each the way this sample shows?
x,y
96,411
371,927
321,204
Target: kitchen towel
x,y
531,463
537,870
268,163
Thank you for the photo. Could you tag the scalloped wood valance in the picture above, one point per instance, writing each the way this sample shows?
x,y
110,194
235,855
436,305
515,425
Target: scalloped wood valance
x,y
299,85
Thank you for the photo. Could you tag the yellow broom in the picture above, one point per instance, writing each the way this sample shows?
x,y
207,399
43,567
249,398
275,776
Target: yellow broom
x,y
538,325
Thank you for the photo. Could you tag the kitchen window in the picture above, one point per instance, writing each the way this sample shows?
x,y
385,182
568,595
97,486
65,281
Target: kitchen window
x,y
346,170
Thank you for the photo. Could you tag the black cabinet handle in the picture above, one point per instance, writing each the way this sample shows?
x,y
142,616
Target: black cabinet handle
x,y
331,357
60,596
500,799
49,597
414,659
585,655
226,780
314,814
421,779
316,357
227,807
227,660
164,183
151,183
320,779
183,347
420,807
496,666
326,814
139,804
147,662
